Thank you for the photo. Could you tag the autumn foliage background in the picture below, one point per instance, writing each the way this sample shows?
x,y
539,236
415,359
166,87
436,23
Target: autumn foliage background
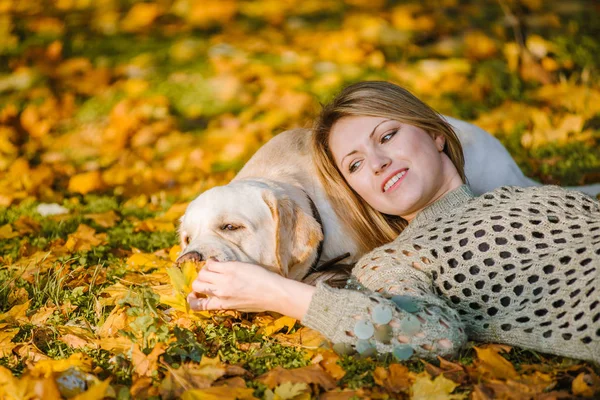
x,y
114,114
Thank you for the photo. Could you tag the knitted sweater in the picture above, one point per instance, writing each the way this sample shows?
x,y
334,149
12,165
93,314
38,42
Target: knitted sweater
x,y
519,266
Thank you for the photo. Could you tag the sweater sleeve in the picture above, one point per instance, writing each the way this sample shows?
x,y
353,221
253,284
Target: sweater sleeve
x,y
392,309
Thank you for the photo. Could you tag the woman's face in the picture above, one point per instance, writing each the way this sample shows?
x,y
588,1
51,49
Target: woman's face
x,y
396,168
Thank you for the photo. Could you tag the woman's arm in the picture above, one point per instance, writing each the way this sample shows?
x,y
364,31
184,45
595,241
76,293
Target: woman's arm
x,y
248,287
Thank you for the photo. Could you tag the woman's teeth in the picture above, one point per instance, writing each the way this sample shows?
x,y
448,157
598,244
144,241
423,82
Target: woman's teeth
x,y
393,180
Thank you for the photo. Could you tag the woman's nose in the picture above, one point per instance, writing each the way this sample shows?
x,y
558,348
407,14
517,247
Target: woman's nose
x,y
380,164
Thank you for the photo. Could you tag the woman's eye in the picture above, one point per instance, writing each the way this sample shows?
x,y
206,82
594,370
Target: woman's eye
x,y
230,227
388,136
354,166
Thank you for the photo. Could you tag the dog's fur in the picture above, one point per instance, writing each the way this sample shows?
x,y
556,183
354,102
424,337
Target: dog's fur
x,y
268,205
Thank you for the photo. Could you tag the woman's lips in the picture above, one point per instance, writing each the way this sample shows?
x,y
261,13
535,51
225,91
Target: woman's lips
x,y
398,182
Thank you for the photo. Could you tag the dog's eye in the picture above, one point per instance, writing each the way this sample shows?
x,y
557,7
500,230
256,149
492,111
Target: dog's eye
x,y
230,227
187,240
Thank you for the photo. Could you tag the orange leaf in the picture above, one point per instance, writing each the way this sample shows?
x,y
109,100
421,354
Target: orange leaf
x,y
106,220
493,365
86,182
586,384
310,374
145,365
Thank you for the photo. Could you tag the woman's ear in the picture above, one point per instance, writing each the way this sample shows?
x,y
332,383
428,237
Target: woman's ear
x,y
440,142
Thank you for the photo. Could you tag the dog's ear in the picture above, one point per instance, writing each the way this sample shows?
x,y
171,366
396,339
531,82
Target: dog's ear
x,y
297,234
307,236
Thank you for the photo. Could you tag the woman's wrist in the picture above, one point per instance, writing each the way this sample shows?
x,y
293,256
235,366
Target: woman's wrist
x,y
292,298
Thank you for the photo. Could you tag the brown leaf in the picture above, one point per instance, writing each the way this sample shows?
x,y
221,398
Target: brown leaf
x,y
310,374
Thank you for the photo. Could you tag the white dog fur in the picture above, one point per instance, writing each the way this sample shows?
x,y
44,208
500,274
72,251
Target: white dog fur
x,y
264,214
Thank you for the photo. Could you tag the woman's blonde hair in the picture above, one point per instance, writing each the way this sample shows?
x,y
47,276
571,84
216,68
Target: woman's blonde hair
x,y
374,99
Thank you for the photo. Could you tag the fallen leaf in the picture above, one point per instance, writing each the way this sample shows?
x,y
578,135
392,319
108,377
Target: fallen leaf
x,y
220,393
396,378
439,388
310,374
586,384
491,364
146,365
106,219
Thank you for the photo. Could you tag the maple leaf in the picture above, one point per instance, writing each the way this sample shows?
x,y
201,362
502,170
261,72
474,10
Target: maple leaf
x,y
490,363
310,374
146,365
6,344
395,379
439,388
46,368
219,393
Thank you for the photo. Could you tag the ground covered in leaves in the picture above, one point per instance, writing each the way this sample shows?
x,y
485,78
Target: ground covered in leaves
x,y
116,113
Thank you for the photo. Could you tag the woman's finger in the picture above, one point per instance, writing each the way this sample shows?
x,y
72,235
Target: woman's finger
x,y
205,303
204,288
207,276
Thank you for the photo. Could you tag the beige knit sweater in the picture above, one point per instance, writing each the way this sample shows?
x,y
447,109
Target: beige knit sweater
x,y
516,266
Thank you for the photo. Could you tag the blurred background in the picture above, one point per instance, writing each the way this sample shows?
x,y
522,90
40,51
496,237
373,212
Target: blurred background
x,y
161,99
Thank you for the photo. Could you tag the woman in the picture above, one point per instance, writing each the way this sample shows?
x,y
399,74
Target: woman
x,y
515,266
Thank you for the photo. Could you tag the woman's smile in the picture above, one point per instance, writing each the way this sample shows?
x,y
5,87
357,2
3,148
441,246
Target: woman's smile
x,y
394,180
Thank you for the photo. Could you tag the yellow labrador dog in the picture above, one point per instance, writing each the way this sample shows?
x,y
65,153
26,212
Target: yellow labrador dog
x,y
275,212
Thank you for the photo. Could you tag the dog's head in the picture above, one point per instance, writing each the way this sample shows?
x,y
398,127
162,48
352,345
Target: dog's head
x,y
252,221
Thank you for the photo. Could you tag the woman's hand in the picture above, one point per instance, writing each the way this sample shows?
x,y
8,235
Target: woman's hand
x,y
247,287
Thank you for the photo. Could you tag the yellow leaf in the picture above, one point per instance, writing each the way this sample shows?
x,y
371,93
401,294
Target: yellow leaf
x,y
116,321
439,388
96,392
278,325
6,345
45,368
586,384
174,252
84,239
106,220
492,364
289,391
117,345
6,232
220,393
304,337
16,314
140,16
146,365
329,362
310,374
154,225
85,182
145,262
42,315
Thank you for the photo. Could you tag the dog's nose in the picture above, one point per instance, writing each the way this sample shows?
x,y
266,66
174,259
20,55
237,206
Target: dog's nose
x,y
191,256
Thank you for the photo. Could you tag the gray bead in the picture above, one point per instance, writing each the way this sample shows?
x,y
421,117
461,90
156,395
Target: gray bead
x,y
406,303
343,349
410,325
364,329
383,333
381,314
365,348
403,352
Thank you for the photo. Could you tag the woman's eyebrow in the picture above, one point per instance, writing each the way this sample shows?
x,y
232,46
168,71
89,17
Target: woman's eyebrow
x,y
370,136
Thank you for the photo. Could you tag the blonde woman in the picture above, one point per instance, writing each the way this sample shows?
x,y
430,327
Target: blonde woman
x,y
516,266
